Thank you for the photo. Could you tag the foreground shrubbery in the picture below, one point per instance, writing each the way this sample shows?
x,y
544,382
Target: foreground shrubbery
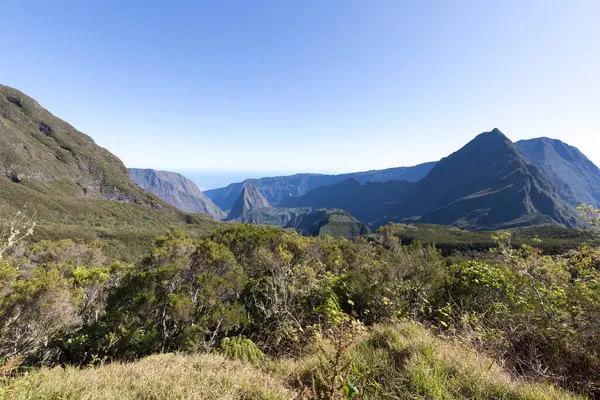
x,y
393,361
261,293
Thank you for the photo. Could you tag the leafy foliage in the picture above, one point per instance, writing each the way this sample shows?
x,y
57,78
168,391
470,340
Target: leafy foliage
x,y
243,349
259,293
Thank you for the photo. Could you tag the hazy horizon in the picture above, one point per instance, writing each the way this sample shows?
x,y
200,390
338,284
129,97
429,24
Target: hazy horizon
x,y
329,87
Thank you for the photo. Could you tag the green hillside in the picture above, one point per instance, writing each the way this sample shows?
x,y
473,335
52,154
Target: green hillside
x,y
74,188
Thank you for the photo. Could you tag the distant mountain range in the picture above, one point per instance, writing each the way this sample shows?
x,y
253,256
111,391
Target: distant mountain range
x,y
276,189
367,202
487,184
176,190
490,183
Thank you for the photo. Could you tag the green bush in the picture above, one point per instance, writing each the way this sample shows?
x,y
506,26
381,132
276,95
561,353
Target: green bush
x,y
242,349
242,288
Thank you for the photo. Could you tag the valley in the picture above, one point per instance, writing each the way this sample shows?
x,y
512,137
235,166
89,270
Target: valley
x,y
443,280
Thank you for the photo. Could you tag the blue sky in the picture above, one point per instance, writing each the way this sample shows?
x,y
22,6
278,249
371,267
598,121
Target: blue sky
x,y
288,86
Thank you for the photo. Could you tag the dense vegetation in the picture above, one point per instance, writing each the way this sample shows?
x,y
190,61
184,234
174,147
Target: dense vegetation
x,y
325,317
453,241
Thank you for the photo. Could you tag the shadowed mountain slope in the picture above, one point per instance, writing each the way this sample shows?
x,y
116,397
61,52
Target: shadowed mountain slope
x,y
176,190
576,178
486,184
366,202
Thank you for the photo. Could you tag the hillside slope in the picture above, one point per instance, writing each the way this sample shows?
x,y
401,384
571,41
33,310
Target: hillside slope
x,y
277,189
37,146
576,178
73,187
176,190
329,222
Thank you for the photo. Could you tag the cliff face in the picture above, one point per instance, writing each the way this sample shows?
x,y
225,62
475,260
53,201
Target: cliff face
x,y
250,199
176,190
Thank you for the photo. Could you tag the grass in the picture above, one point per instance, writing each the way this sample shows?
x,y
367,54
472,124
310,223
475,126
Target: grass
x,y
170,376
125,229
406,361
403,361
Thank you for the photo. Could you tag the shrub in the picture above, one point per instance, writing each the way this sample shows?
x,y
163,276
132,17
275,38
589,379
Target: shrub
x,y
243,349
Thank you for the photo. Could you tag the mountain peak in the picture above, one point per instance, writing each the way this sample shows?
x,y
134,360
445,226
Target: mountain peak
x,y
488,182
493,135
250,199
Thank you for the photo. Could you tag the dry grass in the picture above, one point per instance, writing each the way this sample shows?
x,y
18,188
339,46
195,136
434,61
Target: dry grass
x,y
402,361
157,377
405,361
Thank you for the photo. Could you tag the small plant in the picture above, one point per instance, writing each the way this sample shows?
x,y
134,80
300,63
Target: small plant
x,y
243,349
331,379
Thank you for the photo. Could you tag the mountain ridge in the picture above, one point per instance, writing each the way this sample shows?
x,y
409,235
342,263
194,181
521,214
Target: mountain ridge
x,y
74,188
277,189
176,190
486,184
36,145
576,178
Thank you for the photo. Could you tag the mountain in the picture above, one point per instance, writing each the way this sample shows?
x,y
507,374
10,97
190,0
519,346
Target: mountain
x,y
176,190
329,222
249,199
486,184
73,187
365,202
37,146
575,177
278,188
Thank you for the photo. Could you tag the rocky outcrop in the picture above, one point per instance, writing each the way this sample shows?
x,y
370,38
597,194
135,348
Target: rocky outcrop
x,y
250,199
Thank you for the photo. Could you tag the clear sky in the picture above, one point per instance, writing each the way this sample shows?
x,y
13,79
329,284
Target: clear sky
x,y
307,85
